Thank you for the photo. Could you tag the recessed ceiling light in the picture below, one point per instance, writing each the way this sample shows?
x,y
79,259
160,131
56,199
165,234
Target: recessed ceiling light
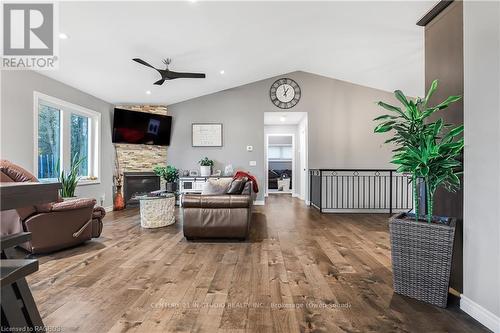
x,y
221,72
282,118
148,92
62,35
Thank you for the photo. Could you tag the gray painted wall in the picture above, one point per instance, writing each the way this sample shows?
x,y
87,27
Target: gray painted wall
x,y
482,155
16,117
339,117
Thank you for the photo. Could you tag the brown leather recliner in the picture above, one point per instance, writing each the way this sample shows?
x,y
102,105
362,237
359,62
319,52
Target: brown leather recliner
x,y
53,226
218,216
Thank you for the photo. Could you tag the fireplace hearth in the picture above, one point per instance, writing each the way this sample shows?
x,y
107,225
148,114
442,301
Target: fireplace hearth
x,y
138,183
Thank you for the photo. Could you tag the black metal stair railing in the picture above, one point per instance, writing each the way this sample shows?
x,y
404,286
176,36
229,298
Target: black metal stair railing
x,y
360,190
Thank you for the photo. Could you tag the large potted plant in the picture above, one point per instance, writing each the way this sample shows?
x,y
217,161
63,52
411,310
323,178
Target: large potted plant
x,y
69,180
422,244
170,174
206,167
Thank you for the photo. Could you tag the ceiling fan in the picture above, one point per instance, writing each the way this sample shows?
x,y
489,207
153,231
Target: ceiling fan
x,y
167,74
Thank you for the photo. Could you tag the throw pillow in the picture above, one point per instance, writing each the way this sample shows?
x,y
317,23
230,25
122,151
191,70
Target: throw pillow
x,y
216,186
237,185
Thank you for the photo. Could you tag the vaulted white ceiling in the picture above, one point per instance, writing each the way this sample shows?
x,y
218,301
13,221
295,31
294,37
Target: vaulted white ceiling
x,y
375,44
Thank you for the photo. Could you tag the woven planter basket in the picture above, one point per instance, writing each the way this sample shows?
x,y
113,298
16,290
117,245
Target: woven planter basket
x,y
421,258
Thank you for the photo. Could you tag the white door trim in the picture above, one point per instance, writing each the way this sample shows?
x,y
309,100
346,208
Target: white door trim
x,y
304,159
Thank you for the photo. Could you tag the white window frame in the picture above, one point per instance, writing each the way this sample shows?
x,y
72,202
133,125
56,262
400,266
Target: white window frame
x,y
67,109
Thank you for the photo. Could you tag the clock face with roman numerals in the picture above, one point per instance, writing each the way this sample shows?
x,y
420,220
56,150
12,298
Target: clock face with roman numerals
x,y
285,93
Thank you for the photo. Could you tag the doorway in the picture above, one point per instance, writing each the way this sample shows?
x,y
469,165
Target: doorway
x,y
280,163
286,153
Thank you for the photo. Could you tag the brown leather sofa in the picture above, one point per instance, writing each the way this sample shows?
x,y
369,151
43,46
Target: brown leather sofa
x,y
53,226
218,216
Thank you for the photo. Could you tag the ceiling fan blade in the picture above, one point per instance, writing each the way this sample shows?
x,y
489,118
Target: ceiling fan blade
x,y
170,75
142,62
193,75
177,75
159,82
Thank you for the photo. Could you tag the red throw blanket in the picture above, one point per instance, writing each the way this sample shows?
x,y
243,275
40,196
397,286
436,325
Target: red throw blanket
x,y
241,174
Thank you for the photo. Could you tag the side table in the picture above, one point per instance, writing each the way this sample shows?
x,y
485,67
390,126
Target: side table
x,y
158,211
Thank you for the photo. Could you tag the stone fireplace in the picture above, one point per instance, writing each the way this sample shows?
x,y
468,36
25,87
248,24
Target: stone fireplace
x,y
136,162
141,157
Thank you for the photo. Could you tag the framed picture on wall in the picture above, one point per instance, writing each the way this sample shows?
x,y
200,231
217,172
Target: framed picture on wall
x,y
206,134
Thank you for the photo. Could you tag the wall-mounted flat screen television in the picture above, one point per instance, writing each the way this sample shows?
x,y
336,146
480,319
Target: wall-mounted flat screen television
x,y
141,128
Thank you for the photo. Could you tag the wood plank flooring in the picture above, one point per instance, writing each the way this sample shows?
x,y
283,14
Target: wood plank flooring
x,y
301,271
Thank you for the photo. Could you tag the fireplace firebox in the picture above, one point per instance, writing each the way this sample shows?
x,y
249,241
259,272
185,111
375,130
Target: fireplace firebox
x,y
138,183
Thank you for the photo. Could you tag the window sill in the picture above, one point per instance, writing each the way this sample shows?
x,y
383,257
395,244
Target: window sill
x,y
81,182
84,182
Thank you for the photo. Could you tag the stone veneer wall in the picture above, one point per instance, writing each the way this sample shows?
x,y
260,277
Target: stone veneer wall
x,y
141,157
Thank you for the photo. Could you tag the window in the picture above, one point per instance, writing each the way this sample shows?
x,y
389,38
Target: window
x,y
80,142
49,141
280,152
66,134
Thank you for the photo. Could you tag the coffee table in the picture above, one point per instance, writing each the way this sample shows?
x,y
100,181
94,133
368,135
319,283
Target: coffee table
x,y
157,211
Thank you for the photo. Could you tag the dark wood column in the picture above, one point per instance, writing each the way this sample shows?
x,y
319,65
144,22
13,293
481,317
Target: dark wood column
x,y
444,61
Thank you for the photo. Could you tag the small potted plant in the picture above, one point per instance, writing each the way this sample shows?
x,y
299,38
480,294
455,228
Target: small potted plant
x,y
170,174
70,180
206,167
422,244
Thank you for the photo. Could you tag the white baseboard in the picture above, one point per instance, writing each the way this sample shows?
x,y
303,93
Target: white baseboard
x,y
308,203
259,202
108,209
479,313
296,195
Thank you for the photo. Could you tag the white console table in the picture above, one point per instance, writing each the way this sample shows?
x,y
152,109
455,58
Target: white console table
x,y
191,184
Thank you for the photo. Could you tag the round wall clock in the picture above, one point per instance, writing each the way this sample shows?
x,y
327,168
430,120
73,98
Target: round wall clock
x,y
285,93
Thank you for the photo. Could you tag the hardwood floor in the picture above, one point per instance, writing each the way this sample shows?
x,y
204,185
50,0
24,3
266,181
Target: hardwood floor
x,y
299,272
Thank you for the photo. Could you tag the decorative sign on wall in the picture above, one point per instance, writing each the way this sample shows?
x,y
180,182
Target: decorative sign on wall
x,y
206,135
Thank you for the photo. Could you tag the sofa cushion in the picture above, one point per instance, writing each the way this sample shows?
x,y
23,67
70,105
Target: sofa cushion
x,y
11,172
216,201
73,204
216,186
16,173
237,185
